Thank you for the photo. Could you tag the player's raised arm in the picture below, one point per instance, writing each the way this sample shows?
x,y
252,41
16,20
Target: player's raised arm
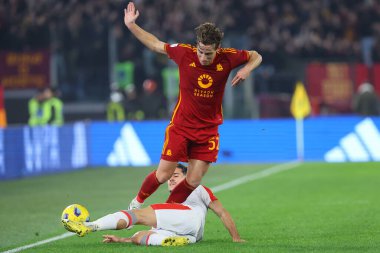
x,y
253,62
148,39
227,220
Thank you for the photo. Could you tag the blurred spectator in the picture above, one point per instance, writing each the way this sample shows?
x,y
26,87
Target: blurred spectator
x,y
366,102
366,18
152,101
39,108
115,108
132,104
56,108
81,42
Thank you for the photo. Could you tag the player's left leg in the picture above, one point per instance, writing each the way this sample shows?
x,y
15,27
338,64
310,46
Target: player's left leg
x,y
201,154
197,169
160,238
195,172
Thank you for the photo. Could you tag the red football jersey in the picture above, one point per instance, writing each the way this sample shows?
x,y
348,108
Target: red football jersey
x,y
201,88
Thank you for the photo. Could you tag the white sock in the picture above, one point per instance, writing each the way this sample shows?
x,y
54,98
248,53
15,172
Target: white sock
x,y
153,239
108,222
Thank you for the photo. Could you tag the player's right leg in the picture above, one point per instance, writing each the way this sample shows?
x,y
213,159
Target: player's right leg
x,y
76,227
174,150
115,221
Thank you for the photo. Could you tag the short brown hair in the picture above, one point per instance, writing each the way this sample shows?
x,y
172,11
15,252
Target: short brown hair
x,y
208,34
182,167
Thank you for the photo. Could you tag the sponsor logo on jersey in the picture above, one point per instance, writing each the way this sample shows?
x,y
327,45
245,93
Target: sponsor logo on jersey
x,y
203,93
205,81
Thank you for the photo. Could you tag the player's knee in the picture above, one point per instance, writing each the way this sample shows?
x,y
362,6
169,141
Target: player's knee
x,y
163,176
195,182
121,224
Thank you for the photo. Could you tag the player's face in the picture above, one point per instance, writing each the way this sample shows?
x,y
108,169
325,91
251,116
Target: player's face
x,y
206,53
176,178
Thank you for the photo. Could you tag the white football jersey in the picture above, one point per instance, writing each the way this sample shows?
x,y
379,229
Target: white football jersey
x,y
199,200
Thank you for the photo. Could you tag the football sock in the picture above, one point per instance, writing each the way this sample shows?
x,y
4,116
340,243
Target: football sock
x,y
109,222
180,193
148,187
153,239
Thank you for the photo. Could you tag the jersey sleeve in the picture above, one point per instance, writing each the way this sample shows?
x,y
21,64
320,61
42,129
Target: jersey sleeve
x,y
236,57
176,51
207,195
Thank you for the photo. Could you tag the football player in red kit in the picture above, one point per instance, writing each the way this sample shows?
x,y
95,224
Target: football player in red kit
x,y
192,134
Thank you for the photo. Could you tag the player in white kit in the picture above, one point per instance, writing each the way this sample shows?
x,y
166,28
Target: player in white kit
x,y
172,224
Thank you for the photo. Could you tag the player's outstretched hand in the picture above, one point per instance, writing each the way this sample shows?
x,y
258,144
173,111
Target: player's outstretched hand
x,y
130,14
114,238
110,238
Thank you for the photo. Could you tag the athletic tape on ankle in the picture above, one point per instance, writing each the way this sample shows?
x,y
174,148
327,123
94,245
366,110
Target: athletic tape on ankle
x,y
144,240
131,217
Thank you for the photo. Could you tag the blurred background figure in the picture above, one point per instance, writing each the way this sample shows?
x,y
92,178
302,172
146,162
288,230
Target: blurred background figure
x,y
45,108
332,45
366,102
56,108
39,107
132,104
115,108
153,102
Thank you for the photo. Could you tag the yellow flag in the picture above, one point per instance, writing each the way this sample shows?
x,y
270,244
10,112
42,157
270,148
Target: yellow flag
x,y
300,105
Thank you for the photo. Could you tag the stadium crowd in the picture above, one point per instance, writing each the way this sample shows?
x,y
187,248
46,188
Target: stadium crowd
x,y
78,33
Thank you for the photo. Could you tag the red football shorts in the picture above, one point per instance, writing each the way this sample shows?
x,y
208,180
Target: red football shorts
x,y
182,144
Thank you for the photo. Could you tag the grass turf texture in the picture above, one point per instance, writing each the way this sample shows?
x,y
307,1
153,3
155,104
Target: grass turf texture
x,y
315,207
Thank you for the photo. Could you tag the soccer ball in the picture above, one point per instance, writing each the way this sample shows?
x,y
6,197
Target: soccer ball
x,y
75,212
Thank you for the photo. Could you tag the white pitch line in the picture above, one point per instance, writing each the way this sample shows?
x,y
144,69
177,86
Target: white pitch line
x,y
256,175
67,234
222,187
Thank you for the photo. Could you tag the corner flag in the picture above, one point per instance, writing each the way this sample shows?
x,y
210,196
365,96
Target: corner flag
x,y
300,104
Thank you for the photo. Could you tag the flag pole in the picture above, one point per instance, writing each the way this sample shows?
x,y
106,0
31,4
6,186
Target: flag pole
x,y
300,108
300,139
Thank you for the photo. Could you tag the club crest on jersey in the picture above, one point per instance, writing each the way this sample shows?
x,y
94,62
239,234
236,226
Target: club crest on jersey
x,y
205,81
219,67
192,65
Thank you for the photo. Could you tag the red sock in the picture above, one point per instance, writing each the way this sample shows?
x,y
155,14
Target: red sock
x,y
148,187
180,192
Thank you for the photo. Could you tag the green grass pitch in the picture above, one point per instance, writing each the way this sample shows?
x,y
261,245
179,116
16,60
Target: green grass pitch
x,y
315,207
